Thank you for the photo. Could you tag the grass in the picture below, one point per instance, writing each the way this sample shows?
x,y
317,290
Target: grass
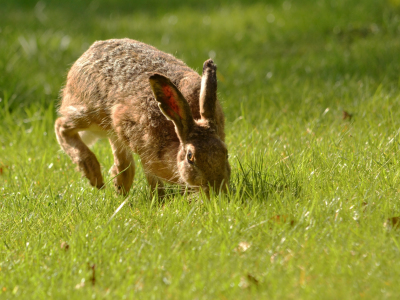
x,y
314,197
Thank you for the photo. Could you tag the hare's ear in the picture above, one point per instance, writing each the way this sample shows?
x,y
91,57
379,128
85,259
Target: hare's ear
x,y
208,92
172,104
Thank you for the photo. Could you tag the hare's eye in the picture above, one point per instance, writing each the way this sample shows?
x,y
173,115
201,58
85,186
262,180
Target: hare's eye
x,y
190,157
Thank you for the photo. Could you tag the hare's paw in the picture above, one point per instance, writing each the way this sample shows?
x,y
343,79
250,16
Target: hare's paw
x,y
90,168
123,179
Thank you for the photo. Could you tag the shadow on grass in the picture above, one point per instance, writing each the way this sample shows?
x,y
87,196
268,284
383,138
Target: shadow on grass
x,y
257,182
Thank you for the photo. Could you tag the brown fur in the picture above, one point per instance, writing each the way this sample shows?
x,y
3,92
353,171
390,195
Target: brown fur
x,y
109,95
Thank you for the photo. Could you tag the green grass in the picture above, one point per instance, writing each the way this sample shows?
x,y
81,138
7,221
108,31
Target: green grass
x,y
311,192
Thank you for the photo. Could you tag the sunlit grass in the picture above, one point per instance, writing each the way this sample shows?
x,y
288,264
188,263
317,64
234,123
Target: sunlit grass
x,y
311,96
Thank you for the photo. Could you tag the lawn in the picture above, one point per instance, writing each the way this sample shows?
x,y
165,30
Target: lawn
x,y
310,91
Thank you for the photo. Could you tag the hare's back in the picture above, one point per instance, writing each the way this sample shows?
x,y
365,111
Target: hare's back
x,y
112,73
120,67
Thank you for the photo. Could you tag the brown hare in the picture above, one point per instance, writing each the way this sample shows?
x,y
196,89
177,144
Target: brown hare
x,y
129,92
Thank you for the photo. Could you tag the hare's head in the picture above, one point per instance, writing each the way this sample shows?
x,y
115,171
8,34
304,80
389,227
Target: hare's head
x,y
202,157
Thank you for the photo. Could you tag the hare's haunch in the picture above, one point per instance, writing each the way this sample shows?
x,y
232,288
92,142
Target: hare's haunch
x,y
148,102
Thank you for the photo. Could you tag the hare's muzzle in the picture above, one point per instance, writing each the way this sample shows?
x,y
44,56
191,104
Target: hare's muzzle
x,y
215,188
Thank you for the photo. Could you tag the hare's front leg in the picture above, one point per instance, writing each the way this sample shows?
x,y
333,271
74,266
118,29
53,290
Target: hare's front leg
x,y
155,183
67,129
124,166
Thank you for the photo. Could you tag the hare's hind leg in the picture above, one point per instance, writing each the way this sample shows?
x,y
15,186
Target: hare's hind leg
x,y
124,166
67,130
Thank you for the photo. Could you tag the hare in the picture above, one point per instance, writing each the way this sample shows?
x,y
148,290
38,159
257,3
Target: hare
x,y
147,102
